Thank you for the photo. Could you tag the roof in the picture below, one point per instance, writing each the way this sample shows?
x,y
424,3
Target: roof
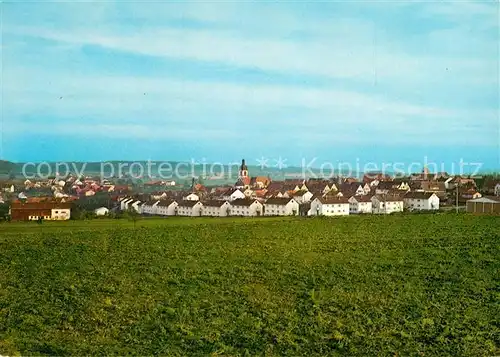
x,y
419,195
333,200
214,203
230,191
300,193
243,202
262,179
433,186
491,199
240,183
187,203
362,198
165,203
275,186
19,205
389,198
150,203
278,201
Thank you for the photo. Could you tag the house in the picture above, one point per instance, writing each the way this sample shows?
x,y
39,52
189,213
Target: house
x,y
192,197
135,205
385,204
425,201
491,186
281,207
374,178
189,208
360,204
319,186
465,195
216,208
101,211
246,207
384,187
332,206
302,196
47,210
159,196
437,187
89,192
349,189
484,205
150,207
250,193
167,207
233,194
8,187
124,203
260,182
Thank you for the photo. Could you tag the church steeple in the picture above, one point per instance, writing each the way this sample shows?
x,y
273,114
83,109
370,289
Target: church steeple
x,y
243,169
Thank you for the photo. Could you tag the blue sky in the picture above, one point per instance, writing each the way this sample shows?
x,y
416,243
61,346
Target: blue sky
x,y
374,81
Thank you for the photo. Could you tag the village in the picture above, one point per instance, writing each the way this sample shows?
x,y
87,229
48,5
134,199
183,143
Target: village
x,y
374,193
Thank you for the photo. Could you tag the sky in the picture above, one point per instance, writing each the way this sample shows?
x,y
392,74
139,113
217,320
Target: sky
x,y
225,80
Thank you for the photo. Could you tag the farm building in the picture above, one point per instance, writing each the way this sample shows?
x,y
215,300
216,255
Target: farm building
x,y
32,211
484,205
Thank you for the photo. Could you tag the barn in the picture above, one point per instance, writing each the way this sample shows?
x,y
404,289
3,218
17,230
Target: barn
x,y
484,205
32,211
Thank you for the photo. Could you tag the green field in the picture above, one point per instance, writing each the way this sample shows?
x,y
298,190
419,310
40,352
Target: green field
x,y
409,285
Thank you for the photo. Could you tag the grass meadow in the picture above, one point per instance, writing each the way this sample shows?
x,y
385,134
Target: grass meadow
x,y
408,285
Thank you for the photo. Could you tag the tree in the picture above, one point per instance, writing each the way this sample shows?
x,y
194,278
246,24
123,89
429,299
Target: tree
x,y
4,211
132,215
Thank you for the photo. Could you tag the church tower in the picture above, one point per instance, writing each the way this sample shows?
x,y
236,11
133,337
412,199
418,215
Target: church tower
x,y
243,170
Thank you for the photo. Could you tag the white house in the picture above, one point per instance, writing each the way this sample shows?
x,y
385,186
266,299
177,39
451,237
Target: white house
x,y
246,207
497,189
302,196
216,208
161,196
101,211
192,197
189,208
360,190
233,194
124,203
167,208
135,205
332,206
421,201
8,188
281,207
360,204
150,207
387,204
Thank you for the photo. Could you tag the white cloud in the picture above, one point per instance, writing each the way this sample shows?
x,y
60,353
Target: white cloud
x,y
359,57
